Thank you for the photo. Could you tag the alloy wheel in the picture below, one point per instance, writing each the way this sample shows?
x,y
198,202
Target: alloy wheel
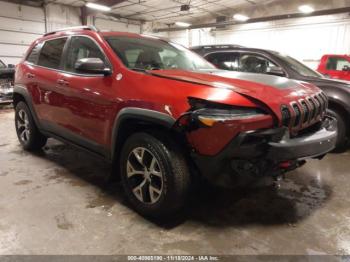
x,y
23,126
144,175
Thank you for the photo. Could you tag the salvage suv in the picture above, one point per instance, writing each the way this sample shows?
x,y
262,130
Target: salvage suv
x,y
164,115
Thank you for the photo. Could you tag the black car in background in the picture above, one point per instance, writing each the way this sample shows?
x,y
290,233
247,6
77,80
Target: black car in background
x,y
6,83
242,59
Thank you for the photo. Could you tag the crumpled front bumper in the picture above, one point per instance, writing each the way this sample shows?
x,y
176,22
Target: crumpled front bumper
x,y
264,150
306,146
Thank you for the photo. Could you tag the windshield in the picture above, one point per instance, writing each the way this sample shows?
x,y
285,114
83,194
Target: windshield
x,y
2,65
299,67
155,54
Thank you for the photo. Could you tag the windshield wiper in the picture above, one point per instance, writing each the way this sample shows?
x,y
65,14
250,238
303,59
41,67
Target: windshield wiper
x,y
138,69
144,70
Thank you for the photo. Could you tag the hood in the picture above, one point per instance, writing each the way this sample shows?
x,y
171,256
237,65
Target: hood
x,y
273,91
322,81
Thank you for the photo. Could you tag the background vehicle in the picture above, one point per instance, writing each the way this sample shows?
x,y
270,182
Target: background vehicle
x,y
242,59
159,111
6,83
335,66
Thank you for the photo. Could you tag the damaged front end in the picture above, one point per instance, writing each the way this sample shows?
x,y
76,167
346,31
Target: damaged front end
x,y
237,145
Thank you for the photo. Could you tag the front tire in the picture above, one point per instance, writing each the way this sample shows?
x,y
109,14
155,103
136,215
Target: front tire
x,y
154,174
27,132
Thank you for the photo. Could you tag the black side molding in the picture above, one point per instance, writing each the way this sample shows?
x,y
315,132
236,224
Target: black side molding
x,y
146,115
22,90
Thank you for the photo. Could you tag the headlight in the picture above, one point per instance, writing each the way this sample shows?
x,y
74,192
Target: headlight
x,y
210,116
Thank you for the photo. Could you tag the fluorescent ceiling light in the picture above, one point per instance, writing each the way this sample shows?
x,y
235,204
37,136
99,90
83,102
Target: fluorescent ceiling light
x,y
98,7
306,9
182,24
239,17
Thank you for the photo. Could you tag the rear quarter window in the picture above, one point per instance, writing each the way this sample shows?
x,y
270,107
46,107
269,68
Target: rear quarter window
x,y
34,54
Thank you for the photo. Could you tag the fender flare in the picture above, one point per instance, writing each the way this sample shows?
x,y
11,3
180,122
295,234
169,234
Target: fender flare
x,y
134,113
340,103
23,91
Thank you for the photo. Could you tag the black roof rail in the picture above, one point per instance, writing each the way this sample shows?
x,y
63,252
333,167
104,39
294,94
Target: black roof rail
x,y
84,27
218,46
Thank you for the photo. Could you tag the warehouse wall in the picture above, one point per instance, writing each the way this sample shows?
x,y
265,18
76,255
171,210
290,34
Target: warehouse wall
x,y
61,16
20,25
24,24
107,24
306,39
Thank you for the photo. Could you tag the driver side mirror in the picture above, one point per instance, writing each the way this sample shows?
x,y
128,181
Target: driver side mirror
x,y
275,70
11,66
92,66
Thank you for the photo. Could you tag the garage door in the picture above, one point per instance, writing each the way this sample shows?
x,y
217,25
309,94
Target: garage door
x,y
105,24
23,25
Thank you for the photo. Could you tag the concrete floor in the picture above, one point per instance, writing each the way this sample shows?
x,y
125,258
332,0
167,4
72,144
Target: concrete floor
x,y
58,202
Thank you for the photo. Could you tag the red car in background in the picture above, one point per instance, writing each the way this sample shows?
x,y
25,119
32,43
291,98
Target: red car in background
x,y
335,66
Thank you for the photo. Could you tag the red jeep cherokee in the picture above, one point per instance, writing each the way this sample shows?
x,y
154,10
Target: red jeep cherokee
x,y
162,113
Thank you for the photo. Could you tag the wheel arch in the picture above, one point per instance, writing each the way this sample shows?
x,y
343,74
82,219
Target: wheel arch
x,y
342,110
20,93
131,119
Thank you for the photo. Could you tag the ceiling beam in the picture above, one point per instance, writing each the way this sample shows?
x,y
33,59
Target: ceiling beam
x,y
34,3
109,2
256,20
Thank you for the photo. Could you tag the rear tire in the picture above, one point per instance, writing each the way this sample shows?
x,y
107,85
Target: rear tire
x,y
27,132
342,140
154,174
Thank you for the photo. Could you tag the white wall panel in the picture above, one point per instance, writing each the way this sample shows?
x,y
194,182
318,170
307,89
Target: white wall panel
x,y
19,38
21,12
306,39
106,24
19,27
61,16
181,37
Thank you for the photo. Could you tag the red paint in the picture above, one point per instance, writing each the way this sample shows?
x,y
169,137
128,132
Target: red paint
x,y
88,106
336,73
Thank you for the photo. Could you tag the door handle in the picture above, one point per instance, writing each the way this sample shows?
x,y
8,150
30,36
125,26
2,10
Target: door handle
x,y
62,82
30,75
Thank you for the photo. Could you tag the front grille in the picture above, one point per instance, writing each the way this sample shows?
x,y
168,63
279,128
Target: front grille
x,y
304,111
297,114
324,101
313,108
318,105
286,116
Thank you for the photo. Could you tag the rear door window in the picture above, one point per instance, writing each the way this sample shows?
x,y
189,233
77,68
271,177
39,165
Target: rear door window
x,y
51,53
